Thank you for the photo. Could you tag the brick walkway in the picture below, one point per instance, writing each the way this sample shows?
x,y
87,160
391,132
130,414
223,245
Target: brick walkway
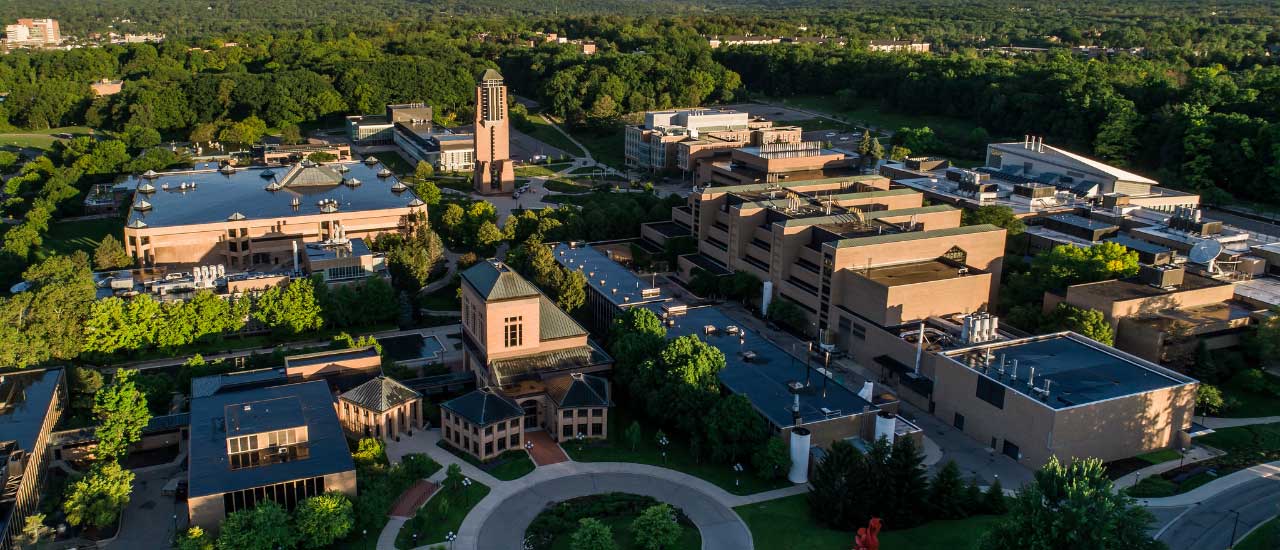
x,y
413,498
545,451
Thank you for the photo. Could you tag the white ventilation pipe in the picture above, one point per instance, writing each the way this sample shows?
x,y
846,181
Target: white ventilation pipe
x,y
799,456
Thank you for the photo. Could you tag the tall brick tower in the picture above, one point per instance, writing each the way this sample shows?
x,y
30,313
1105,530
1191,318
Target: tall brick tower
x,y
494,173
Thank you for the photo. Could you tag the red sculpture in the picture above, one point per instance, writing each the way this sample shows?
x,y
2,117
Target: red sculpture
x,y
867,538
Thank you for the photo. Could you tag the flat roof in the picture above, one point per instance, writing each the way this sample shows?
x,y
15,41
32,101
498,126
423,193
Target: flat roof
x,y
617,284
840,219
263,416
216,196
1139,245
408,347
1264,290
1133,288
916,235
1080,371
764,378
210,471
912,273
1081,222
321,251
748,187
327,357
24,402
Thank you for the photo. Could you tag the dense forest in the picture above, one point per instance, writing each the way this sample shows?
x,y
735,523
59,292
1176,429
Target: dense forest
x,y
1196,107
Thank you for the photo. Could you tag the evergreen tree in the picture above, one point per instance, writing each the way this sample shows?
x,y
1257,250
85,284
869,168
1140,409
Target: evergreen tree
x,y
633,435
864,144
907,486
110,254
838,488
877,150
947,498
993,501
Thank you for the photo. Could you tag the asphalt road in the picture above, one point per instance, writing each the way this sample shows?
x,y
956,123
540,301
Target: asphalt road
x,y
720,527
1209,524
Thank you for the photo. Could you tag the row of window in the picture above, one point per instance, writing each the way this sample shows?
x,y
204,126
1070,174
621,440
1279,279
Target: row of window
x,y
567,431
582,413
287,494
465,442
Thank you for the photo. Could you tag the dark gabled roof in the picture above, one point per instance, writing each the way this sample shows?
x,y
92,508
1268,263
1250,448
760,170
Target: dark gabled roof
x,y
579,358
490,74
494,280
380,394
579,390
484,407
554,323
205,386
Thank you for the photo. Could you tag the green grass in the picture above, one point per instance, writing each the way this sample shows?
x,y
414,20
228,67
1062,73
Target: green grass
x,y
785,524
444,299
440,516
1245,446
542,130
1159,487
1246,401
395,162
68,237
541,170
562,186
514,468
606,145
621,528
40,139
1264,538
874,115
678,457
513,464
1161,456
585,171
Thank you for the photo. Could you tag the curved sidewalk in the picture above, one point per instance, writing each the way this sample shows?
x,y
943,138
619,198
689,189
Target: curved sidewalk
x,y
1215,487
1215,422
500,520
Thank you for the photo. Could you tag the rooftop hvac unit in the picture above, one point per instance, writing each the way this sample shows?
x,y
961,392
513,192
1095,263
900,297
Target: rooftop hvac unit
x,y
748,356
1162,276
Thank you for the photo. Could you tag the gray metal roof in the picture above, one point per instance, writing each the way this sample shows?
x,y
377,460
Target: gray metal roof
x,y
484,407
267,415
494,280
380,394
210,470
578,358
554,323
579,390
215,196
205,386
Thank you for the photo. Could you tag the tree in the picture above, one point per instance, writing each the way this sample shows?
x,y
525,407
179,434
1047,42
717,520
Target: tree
x,y
47,321
34,532
85,382
121,409
772,459
656,528
993,501
1090,323
266,526
453,479
592,535
369,451
194,539
1208,399
1068,507
323,519
633,435
140,137
428,191
899,153
291,134
864,144
907,486
734,429
877,150
321,157
837,488
423,171
489,234
997,215
291,308
946,493
97,499
571,293
1265,341
788,313
110,254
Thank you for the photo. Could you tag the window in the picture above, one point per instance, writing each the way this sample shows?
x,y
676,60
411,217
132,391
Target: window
x,y
488,430
513,331
990,391
956,254
568,413
582,413
448,434
958,422
515,424
488,448
232,244
502,443
515,440
567,430
597,412
597,429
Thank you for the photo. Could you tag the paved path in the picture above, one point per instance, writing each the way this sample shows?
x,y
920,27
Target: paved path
x,y
1224,484
1209,525
413,498
1216,423
1193,455
545,451
500,520
424,441
151,518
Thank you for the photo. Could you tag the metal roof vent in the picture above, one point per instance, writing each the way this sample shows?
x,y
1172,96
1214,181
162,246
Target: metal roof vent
x,y
142,205
146,188
137,224
384,173
371,160
235,217
150,174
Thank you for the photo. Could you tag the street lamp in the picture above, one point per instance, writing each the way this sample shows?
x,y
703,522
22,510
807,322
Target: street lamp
x,y
466,489
1183,459
663,441
580,437
450,538
737,469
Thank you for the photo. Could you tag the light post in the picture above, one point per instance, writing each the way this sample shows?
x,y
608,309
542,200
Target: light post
x,y
415,540
737,478
466,489
1233,529
663,441
581,436
450,538
1183,459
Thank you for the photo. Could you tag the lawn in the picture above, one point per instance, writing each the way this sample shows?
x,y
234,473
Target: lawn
x,y
1245,446
1264,538
395,162
874,115
40,139
539,170
513,464
621,528
677,457
542,130
563,186
443,299
68,237
1160,457
606,146
785,524
441,515
1246,401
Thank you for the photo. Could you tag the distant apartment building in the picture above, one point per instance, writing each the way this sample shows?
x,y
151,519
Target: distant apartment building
x,y
31,402
741,40
33,32
675,139
898,46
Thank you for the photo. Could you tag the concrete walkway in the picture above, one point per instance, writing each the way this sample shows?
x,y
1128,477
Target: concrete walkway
x,y
1194,455
1216,423
424,442
1215,487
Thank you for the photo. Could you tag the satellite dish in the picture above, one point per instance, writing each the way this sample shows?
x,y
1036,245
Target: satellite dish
x,y
1205,252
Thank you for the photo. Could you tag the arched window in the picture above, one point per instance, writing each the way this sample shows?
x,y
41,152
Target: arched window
x,y
957,254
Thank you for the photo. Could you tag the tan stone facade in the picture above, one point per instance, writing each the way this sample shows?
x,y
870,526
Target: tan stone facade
x,y
494,171
484,442
360,421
